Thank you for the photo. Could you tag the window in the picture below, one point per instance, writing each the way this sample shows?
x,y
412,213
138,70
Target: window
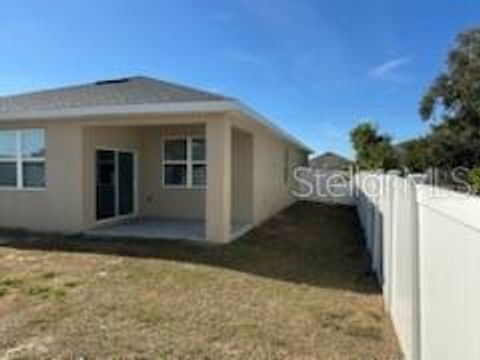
x,y
8,158
184,162
22,159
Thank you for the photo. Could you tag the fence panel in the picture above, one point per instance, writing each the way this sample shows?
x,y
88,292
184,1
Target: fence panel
x,y
388,212
404,305
450,274
425,249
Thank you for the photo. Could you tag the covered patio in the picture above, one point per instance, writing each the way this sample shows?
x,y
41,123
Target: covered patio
x,y
175,178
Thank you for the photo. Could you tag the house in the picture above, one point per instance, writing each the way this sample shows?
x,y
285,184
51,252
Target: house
x,y
139,156
330,161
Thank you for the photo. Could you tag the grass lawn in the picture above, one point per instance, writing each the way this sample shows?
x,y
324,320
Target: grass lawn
x,y
297,287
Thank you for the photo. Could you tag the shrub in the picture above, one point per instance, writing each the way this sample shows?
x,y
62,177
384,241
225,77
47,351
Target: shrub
x,y
474,179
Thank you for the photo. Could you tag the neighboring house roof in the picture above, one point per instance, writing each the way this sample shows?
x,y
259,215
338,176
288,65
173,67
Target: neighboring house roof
x,y
131,95
330,161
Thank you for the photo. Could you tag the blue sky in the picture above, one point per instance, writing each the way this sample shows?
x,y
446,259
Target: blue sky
x,y
315,67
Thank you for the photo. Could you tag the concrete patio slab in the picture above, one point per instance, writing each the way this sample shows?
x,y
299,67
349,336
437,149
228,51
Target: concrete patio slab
x,y
158,228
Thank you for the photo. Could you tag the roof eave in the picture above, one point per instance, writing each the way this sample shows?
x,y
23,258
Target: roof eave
x,y
151,109
76,113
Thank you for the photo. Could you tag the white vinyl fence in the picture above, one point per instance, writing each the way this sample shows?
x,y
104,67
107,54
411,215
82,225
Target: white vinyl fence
x,y
425,249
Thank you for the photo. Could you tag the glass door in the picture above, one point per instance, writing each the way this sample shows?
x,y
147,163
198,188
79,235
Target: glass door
x,y
126,183
115,183
105,184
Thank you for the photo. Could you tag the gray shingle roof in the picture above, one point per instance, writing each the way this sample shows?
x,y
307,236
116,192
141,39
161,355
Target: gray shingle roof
x,y
127,91
330,161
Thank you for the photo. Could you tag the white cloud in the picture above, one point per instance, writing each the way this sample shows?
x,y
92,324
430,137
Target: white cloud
x,y
389,70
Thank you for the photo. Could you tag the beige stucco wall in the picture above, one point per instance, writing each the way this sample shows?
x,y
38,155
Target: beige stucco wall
x,y
58,208
271,192
258,159
157,200
242,177
67,205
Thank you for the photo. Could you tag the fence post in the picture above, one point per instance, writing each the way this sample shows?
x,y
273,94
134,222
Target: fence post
x,y
378,220
415,234
388,242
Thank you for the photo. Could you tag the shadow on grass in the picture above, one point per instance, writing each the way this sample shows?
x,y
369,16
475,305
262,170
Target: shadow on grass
x,y
312,244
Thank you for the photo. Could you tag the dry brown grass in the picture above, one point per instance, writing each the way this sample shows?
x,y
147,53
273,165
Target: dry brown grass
x,y
296,288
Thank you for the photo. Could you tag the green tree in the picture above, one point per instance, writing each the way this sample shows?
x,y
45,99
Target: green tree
x,y
452,104
415,155
374,150
474,179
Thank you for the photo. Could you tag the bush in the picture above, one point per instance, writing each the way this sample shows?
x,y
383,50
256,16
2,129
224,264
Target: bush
x,y
474,179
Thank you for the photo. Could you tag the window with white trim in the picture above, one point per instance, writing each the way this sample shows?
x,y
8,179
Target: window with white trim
x,y
184,162
22,159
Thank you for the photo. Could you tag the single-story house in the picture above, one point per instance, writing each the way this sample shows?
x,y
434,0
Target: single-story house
x,y
330,161
139,156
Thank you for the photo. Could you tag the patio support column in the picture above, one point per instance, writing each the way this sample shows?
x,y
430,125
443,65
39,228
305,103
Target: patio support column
x,y
219,180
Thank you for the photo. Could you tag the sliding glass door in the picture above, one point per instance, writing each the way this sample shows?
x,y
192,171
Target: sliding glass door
x,y
126,181
115,183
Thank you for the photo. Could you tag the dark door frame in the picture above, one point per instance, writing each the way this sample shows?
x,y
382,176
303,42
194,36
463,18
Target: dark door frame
x,y
117,215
